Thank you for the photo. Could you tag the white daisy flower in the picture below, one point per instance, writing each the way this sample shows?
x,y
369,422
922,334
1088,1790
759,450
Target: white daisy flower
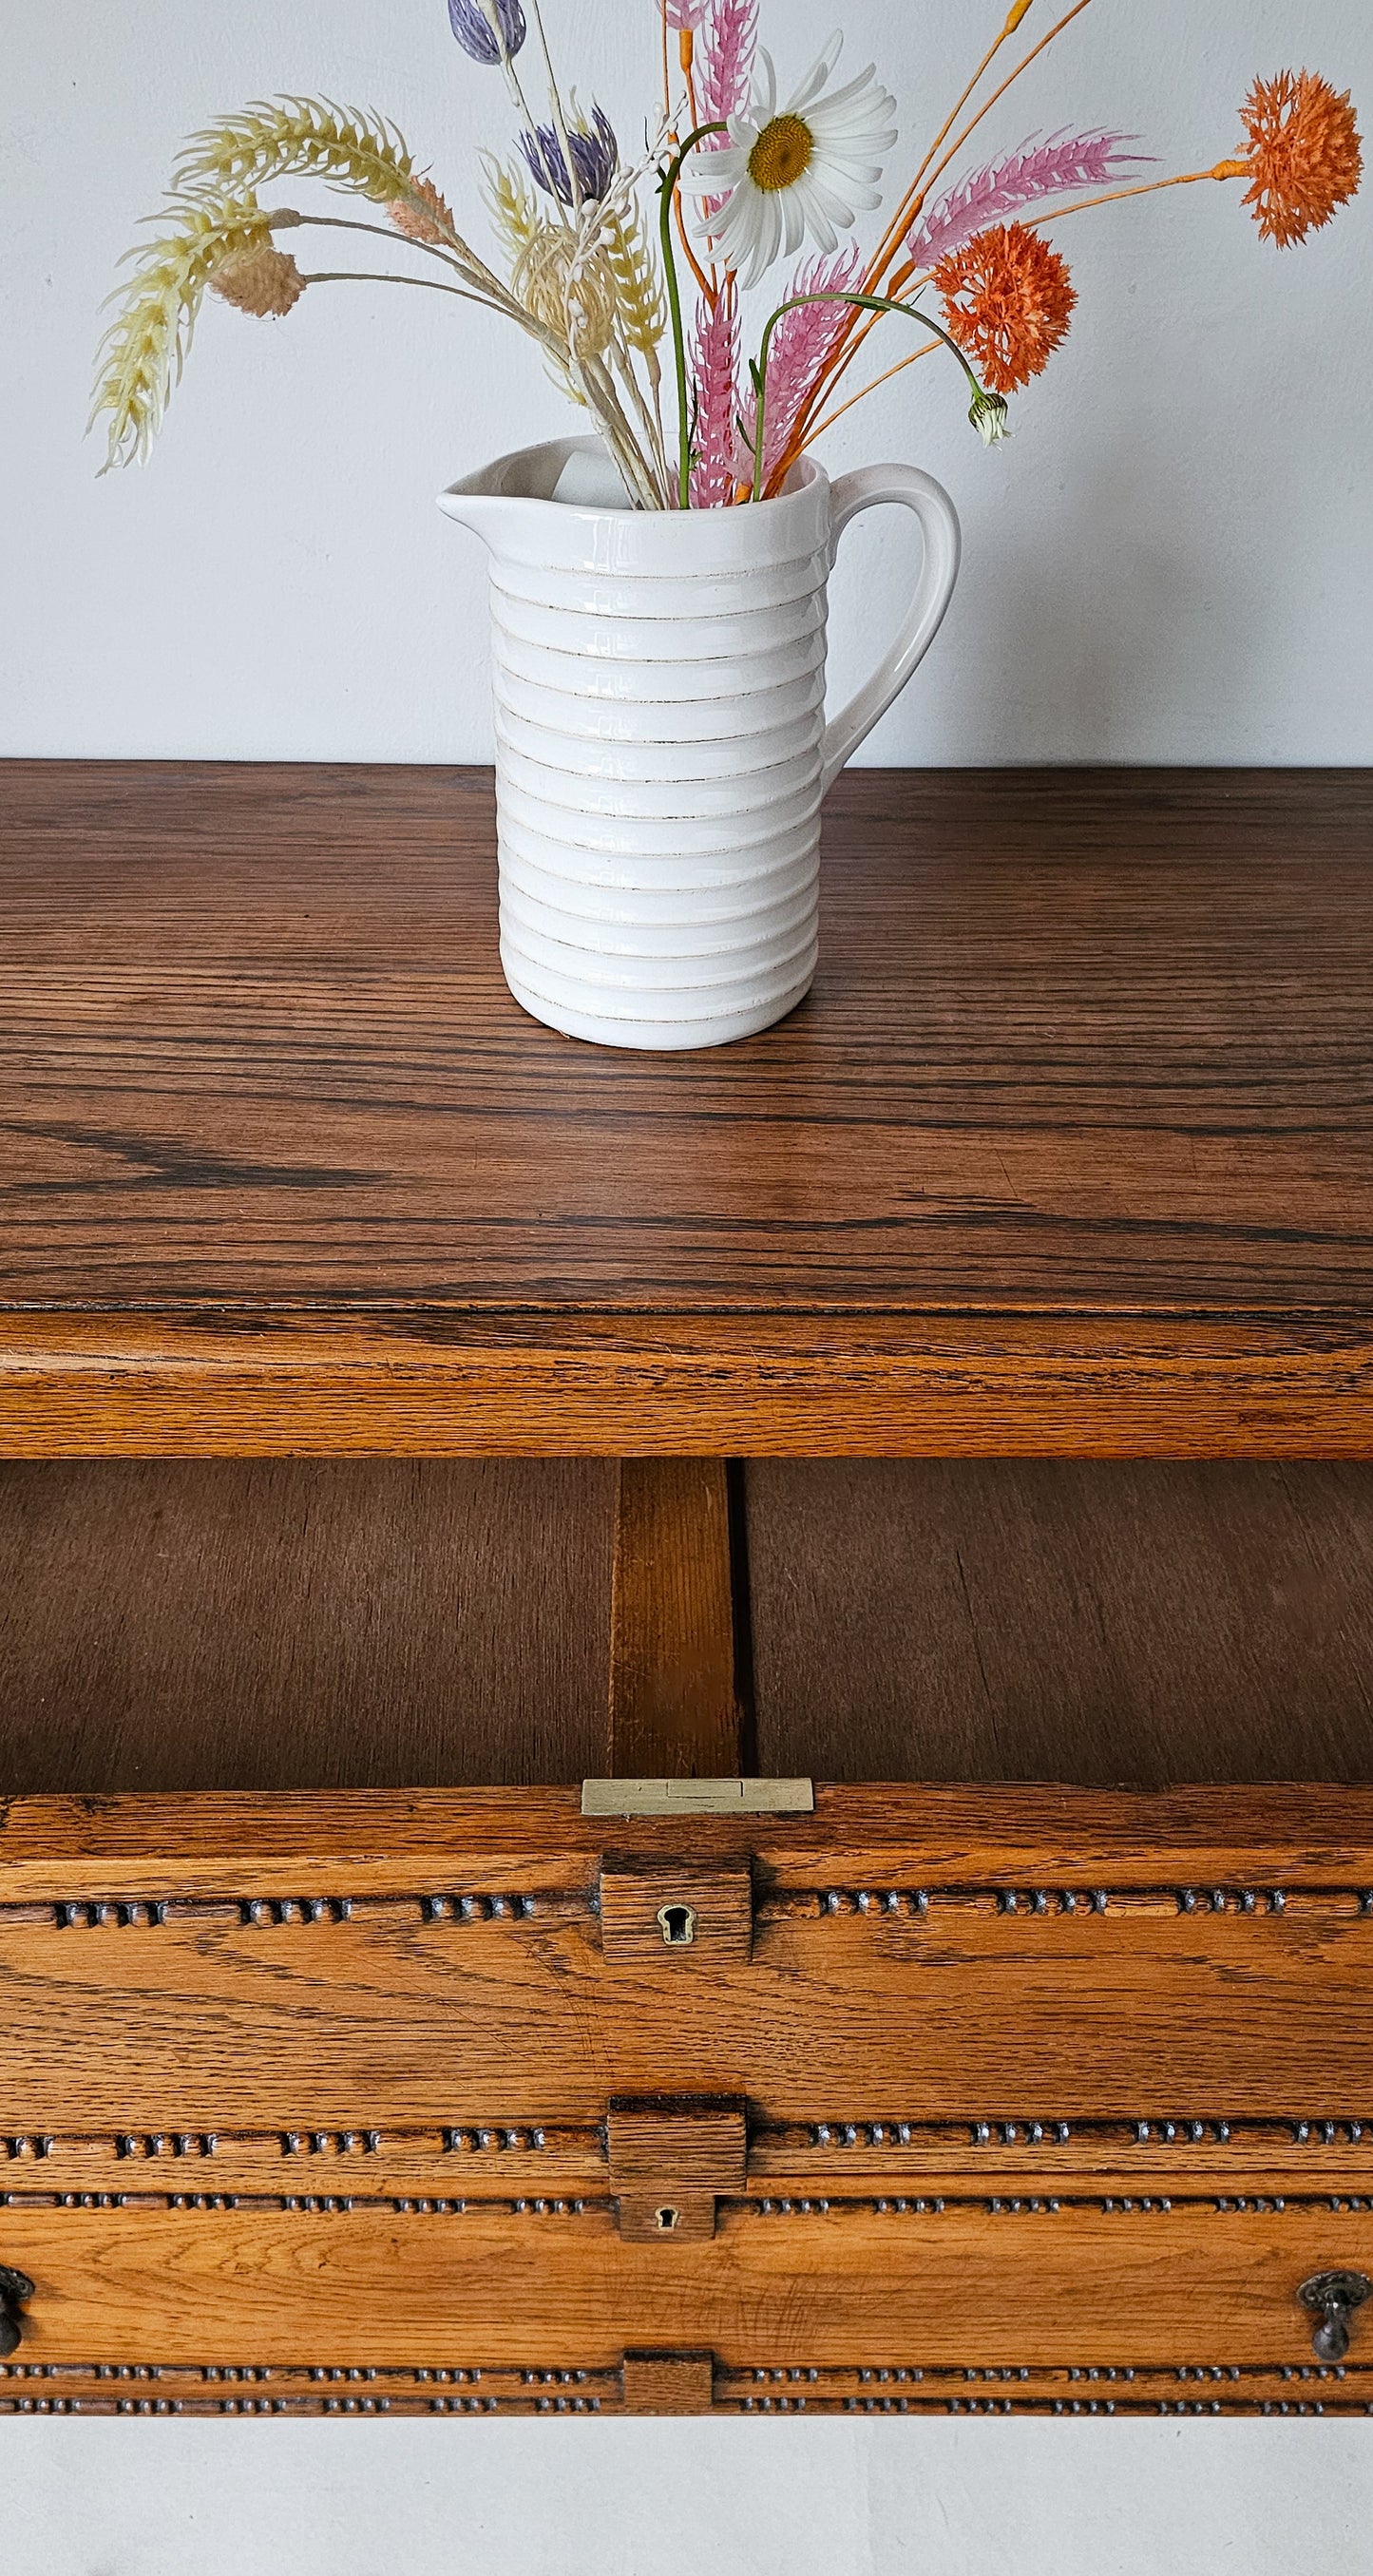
x,y
805,168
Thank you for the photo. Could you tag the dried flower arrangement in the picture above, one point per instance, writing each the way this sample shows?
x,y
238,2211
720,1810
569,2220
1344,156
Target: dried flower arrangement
x,y
743,178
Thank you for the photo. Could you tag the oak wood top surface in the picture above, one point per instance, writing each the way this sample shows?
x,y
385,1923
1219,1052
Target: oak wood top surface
x,y
1094,1048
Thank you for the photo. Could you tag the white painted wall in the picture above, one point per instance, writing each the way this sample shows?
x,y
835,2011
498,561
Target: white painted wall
x,y
1173,561
933,2498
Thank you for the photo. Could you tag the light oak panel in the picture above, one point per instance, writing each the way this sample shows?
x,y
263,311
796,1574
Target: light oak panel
x,y
966,2014
964,2285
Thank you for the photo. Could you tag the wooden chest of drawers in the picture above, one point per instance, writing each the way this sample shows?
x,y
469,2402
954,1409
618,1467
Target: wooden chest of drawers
x,y
398,2086
335,2078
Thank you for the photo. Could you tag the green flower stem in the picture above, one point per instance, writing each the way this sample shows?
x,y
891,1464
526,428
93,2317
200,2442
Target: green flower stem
x,y
835,295
667,184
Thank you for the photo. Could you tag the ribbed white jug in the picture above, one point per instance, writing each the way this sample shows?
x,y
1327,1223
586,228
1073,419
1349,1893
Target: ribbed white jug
x,y
661,744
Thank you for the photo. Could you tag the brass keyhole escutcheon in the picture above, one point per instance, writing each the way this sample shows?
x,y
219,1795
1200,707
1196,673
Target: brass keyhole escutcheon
x,y
665,2219
677,1923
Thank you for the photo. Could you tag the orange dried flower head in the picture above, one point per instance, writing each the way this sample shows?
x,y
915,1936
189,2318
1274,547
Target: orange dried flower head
x,y
1007,300
417,224
1303,152
259,279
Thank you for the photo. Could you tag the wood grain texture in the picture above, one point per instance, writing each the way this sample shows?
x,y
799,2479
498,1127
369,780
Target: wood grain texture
x,y
1129,1965
668,2383
287,1625
381,1843
670,2140
1068,1152
454,1384
853,2286
354,2027
674,1712
1133,1623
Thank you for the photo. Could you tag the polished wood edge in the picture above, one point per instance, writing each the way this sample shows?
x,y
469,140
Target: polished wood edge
x,y
442,1382
1219,1843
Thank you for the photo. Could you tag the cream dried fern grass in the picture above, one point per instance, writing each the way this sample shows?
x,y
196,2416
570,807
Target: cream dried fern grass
x,y
584,288
314,138
510,203
643,308
273,137
144,350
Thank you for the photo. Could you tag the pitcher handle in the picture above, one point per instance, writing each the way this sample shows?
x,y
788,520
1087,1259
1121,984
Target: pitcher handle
x,y
933,591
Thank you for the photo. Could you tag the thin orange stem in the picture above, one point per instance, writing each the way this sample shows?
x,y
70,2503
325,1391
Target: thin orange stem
x,y
710,292
864,390
1052,215
914,199
667,76
858,326
1144,188
709,286
989,103
897,227
867,323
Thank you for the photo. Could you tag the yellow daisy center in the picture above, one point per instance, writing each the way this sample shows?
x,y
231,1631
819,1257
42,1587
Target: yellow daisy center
x,y
782,152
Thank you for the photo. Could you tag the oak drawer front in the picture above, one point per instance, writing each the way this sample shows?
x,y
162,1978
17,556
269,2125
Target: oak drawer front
x,y
928,2083
1200,2294
500,2009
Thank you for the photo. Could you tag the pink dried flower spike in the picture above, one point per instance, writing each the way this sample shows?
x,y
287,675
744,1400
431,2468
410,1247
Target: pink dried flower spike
x,y
715,367
801,343
1064,162
725,64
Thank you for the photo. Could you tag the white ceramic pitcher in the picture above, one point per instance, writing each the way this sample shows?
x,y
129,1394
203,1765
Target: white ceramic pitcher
x,y
661,743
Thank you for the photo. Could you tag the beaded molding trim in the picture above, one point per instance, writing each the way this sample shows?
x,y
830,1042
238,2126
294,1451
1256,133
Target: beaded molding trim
x,y
1038,1903
768,2206
271,1913
1182,2388
508,2146
277,2389
578,1905
989,2139
493,2138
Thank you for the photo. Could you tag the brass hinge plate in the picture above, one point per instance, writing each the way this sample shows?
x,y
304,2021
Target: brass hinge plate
x,y
697,1798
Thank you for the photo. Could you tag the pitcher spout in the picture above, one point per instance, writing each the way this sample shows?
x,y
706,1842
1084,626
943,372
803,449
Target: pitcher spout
x,y
573,472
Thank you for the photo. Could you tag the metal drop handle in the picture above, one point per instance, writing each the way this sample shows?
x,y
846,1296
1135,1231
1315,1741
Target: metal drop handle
x,y
15,2287
1336,2295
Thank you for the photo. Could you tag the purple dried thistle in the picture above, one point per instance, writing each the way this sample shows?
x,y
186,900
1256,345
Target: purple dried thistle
x,y
715,369
799,347
472,26
595,157
725,65
1065,161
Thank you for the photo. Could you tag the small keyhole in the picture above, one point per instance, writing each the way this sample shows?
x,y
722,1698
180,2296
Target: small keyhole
x,y
665,2219
677,1924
